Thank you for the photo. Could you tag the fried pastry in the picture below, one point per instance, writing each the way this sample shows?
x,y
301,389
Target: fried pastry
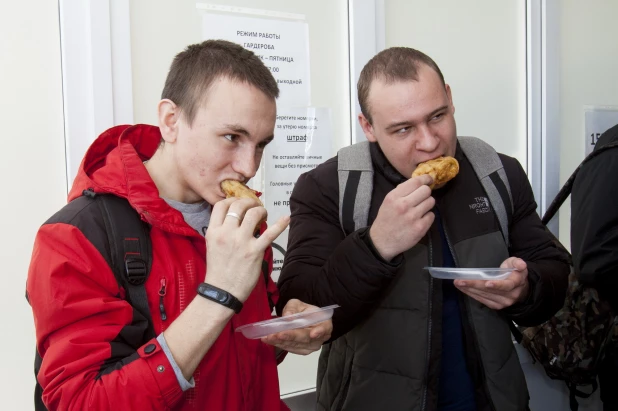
x,y
442,169
233,188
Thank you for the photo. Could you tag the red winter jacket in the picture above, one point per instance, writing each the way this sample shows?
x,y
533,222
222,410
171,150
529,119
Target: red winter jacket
x,y
91,359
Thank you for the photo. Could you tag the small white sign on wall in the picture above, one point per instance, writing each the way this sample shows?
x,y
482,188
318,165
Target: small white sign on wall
x,y
302,142
597,120
282,45
279,246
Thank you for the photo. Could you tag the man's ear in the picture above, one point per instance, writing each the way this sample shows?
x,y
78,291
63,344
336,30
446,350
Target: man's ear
x,y
449,95
169,119
367,127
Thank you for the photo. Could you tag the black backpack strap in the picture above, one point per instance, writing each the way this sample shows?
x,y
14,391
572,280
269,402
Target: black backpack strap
x,y
565,191
574,393
516,332
123,240
38,390
130,250
573,404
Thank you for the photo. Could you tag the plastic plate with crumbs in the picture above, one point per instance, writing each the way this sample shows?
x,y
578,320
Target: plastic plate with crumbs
x,y
289,322
452,273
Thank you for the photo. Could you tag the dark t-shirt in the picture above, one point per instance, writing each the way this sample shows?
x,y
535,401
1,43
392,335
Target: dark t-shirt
x,y
456,389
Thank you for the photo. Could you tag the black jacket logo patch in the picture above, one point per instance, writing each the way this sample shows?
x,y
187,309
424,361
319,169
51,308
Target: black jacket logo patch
x,y
480,205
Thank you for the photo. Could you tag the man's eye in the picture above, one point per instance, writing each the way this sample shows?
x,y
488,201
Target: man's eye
x,y
438,116
403,130
261,146
230,137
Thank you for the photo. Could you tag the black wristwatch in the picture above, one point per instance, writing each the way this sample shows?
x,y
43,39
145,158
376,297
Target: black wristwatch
x,y
220,296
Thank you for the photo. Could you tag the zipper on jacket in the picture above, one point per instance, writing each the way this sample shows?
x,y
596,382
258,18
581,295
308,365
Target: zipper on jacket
x,y
162,292
429,328
477,350
448,241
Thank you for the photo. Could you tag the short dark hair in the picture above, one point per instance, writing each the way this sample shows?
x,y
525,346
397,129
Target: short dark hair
x,y
193,71
390,65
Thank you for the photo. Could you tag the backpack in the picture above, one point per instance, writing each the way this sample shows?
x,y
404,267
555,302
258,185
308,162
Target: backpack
x,y
128,251
571,345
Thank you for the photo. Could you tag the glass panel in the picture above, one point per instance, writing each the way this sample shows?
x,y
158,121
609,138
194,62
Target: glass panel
x,y
480,47
589,63
161,28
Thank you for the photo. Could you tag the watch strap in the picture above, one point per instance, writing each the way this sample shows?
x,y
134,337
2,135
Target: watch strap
x,y
212,293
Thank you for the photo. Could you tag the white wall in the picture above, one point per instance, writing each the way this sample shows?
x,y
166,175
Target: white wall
x,y
480,48
588,76
32,167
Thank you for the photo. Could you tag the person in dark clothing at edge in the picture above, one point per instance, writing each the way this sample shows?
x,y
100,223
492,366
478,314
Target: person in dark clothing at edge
x,y
217,113
594,243
402,341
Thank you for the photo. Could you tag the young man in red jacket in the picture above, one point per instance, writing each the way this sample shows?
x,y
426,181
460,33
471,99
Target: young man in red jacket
x,y
216,115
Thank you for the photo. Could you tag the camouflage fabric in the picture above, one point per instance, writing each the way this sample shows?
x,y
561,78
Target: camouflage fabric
x,y
571,345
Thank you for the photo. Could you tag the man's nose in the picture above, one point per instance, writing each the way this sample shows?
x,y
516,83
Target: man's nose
x,y
426,140
245,163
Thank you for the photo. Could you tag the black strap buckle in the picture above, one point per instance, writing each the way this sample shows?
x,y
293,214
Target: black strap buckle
x,y
136,270
89,193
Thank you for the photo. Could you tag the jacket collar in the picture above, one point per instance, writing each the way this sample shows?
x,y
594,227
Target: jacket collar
x,y
114,165
383,166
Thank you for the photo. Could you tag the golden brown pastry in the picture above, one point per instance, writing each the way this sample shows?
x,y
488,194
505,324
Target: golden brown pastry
x,y
233,188
442,169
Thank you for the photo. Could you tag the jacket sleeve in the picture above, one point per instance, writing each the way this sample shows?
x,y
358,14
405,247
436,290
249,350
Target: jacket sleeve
x,y
92,357
547,260
323,266
594,225
267,269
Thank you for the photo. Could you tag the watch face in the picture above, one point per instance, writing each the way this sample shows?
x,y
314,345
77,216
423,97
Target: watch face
x,y
214,294
220,296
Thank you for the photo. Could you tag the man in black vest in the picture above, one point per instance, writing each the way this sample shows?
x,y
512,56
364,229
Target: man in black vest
x,y
401,339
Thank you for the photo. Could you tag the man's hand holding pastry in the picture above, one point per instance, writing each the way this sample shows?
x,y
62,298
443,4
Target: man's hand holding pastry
x,y
234,255
405,214
403,218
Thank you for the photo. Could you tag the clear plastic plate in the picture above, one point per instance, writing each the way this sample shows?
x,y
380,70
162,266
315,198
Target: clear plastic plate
x,y
451,273
290,322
